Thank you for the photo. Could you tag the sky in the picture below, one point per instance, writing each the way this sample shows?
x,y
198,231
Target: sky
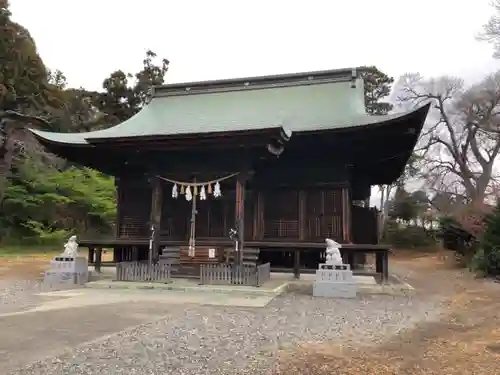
x,y
225,39
216,39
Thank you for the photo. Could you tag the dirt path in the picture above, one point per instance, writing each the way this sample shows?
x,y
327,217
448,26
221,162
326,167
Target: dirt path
x,y
30,267
23,268
466,341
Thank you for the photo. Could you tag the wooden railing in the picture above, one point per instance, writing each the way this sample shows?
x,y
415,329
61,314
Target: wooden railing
x,y
135,271
263,273
233,274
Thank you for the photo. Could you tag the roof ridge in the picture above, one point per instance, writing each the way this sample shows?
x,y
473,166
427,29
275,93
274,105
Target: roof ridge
x,y
259,82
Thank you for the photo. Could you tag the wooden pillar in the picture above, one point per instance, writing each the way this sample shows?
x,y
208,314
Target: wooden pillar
x,y
258,228
385,267
118,206
296,265
302,215
156,206
382,264
91,255
240,216
98,260
257,208
346,215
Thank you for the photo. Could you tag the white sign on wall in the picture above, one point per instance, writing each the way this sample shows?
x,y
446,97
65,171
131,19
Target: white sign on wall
x,y
211,253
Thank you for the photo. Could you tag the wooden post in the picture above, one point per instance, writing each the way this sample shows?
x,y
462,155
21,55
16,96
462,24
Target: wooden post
x,y
382,264
262,223
156,206
296,266
258,218
240,216
385,267
91,255
256,215
119,193
346,215
98,260
302,215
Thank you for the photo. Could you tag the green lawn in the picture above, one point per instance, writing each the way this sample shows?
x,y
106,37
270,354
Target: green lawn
x,y
19,251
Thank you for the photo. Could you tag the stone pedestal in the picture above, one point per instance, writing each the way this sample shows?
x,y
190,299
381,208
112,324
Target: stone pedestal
x,y
334,281
68,270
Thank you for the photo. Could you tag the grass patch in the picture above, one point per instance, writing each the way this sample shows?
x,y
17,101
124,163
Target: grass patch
x,y
26,251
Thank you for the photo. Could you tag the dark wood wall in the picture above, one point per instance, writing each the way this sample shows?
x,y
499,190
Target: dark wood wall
x,y
305,214
365,225
270,214
134,208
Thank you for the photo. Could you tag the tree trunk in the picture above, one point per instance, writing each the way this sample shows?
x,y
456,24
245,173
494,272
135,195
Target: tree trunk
x,y
4,171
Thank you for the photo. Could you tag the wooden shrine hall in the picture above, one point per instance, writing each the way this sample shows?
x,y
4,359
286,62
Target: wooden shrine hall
x,y
247,171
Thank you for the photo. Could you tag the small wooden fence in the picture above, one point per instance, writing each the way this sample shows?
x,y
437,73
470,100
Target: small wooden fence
x,y
135,271
233,274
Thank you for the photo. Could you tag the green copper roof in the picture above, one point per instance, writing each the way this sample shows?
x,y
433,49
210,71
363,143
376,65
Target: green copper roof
x,y
303,102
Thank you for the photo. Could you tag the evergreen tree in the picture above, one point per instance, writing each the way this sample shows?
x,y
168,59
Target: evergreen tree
x,y
490,245
377,88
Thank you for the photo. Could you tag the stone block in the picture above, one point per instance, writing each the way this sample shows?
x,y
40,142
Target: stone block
x,y
330,289
334,281
65,278
66,270
334,273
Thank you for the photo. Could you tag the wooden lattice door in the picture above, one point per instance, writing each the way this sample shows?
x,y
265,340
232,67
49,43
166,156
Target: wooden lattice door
x,y
281,214
134,202
324,214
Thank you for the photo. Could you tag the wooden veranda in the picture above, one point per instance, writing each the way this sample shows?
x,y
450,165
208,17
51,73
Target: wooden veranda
x,y
123,251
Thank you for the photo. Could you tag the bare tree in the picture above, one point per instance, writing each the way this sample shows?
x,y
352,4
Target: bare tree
x,y
461,140
491,30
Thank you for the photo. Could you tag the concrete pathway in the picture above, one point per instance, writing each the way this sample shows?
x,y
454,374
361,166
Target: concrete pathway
x,y
27,338
70,299
67,319
279,283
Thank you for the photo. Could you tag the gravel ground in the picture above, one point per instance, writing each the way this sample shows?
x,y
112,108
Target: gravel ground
x,y
214,340
18,295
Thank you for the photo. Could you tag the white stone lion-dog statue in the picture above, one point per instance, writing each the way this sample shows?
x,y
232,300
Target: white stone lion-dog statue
x,y
333,255
70,248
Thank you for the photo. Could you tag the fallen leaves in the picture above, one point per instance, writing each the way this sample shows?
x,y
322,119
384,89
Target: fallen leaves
x,y
466,341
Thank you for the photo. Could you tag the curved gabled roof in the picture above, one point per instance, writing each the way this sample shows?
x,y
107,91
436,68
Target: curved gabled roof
x,y
136,126
326,100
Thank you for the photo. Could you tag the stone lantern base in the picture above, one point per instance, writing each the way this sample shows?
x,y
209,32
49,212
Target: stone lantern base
x,y
67,270
334,281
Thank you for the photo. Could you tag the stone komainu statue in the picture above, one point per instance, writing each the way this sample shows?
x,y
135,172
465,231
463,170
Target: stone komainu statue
x,y
71,248
333,255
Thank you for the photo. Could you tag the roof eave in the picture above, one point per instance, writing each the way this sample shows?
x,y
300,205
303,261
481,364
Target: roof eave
x,y
379,121
44,138
417,119
271,131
